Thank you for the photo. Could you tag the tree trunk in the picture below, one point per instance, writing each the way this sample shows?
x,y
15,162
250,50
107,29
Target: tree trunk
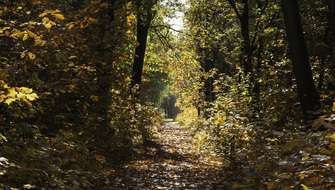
x,y
207,65
144,18
104,70
247,49
307,93
142,33
331,25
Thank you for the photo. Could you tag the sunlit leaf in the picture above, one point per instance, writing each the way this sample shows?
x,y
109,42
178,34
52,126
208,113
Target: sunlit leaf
x,y
9,101
32,96
304,187
58,16
3,138
31,56
25,37
48,23
25,90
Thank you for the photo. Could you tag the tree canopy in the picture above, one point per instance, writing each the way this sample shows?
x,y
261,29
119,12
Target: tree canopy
x,y
94,91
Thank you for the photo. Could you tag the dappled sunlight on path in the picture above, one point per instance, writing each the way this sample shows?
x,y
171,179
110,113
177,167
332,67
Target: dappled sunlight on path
x,y
170,163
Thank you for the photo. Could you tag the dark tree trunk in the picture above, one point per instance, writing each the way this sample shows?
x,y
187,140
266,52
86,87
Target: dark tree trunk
x,y
144,18
207,65
104,69
209,82
142,34
245,30
331,25
307,93
112,26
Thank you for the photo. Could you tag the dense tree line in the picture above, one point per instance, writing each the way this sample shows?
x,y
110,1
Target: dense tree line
x,y
258,31
97,72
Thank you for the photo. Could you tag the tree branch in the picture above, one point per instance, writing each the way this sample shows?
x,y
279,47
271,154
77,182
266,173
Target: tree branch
x,y
233,5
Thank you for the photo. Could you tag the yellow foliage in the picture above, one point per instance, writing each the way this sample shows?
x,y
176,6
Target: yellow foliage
x,y
31,56
32,34
187,116
48,23
131,19
57,14
9,95
304,187
25,37
201,139
17,34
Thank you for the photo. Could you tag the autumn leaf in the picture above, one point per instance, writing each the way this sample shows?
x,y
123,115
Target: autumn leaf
x,y
70,25
11,92
25,90
32,34
25,37
31,56
46,13
23,55
54,13
48,23
9,101
58,16
3,138
304,187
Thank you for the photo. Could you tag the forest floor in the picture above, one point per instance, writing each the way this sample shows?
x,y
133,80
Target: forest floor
x,y
171,162
301,159
278,160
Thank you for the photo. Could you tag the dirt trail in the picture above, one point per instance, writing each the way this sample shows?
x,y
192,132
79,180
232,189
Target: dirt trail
x,y
170,163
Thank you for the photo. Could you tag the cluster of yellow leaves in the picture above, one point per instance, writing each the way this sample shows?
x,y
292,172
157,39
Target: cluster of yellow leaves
x,y
46,15
48,23
29,55
27,34
8,94
131,19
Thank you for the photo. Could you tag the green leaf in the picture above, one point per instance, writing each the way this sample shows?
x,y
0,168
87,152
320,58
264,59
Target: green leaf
x,y
3,138
304,187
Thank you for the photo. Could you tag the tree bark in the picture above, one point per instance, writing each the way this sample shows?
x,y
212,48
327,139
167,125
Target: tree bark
x,y
144,19
307,93
247,51
104,70
207,65
245,30
331,25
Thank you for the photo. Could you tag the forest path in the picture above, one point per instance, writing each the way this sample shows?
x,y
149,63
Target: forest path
x,y
171,162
